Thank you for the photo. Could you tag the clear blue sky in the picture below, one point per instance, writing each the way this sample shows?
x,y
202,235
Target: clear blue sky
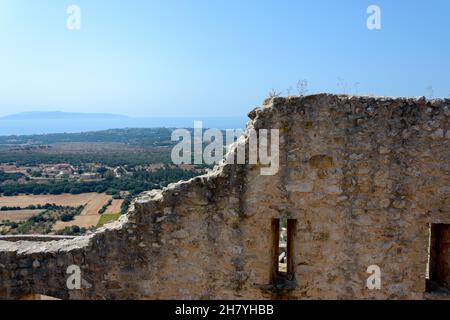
x,y
214,57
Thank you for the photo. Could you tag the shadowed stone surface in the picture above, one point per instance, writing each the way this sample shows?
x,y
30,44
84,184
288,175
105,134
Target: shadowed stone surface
x,y
363,177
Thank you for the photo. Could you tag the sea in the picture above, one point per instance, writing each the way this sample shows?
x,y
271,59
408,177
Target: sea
x,y
48,126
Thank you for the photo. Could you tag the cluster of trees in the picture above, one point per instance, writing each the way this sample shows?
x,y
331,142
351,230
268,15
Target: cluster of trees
x,y
105,207
4,176
143,137
43,222
113,159
72,231
136,183
126,204
70,214
48,206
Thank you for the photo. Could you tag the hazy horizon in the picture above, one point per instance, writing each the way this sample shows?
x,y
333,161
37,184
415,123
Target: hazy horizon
x,y
39,113
20,127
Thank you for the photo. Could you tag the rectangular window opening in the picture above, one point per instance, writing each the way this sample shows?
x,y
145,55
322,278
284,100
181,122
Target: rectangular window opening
x,y
282,244
438,266
283,264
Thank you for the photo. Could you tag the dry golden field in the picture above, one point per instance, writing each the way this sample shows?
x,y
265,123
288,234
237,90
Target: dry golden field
x,y
115,207
89,217
81,221
71,200
20,215
13,169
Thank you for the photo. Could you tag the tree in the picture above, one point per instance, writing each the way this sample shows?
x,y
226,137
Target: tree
x,y
75,191
102,170
66,217
36,174
109,175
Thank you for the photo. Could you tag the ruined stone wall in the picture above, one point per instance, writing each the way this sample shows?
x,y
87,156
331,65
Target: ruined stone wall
x,y
363,177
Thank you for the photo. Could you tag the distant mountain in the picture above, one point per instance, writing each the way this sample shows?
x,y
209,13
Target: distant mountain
x,y
58,115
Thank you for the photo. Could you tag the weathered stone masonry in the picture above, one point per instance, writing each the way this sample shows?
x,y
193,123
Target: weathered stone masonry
x,y
362,176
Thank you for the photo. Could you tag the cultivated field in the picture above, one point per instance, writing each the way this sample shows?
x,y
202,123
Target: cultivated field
x,y
20,215
115,207
81,221
93,202
14,169
90,216
70,200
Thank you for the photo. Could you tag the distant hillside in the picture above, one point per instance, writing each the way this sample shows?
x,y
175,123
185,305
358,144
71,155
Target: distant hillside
x,y
149,137
58,115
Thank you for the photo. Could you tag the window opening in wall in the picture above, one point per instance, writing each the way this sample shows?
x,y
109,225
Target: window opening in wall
x,y
438,266
283,260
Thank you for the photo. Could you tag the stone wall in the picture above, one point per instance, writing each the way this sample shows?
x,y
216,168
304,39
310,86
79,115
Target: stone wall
x,y
362,176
